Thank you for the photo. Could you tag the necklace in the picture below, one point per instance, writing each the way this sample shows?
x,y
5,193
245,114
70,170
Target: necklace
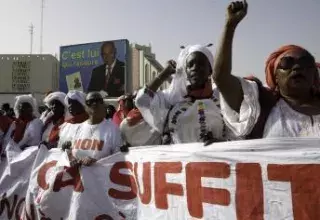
x,y
202,120
201,108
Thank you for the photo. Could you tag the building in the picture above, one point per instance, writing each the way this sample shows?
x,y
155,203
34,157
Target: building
x,y
144,66
25,74
38,74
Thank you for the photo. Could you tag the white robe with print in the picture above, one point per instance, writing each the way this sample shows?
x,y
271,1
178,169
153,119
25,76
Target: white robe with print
x,y
96,141
185,120
67,132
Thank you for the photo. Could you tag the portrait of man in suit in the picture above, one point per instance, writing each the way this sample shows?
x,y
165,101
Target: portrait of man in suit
x,y
110,76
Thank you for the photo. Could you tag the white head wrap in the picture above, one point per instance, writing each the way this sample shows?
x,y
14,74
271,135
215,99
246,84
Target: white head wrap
x,y
76,95
28,99
59,96
178,87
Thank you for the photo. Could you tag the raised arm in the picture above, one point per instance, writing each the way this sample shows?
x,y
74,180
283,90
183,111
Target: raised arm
x,y
223,61
155,84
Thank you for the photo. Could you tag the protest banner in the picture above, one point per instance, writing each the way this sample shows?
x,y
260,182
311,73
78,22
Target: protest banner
x,y
268,179
15,171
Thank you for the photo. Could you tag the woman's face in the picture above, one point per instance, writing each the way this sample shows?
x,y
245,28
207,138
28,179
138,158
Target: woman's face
x,y
25,110
57,108
198,69
296,73
128,103
74,107
95,105
110,110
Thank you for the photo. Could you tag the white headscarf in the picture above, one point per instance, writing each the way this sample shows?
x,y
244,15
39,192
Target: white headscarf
x,y
59,96
178,87
76,95
28,99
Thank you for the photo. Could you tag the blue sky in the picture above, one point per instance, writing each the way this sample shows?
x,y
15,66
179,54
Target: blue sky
x,y
166,24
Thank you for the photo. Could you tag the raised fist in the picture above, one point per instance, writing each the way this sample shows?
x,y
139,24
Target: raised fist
x,y
171,66
236,12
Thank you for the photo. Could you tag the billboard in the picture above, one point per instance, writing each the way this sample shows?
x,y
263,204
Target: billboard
x,y
28,73
99,66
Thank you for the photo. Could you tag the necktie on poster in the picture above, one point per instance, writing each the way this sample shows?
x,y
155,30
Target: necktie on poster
x,y
108,74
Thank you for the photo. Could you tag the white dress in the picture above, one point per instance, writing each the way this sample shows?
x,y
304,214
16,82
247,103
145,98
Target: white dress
x,y
187,121
46,133
96,141
31,137
282,121
140,134
67,132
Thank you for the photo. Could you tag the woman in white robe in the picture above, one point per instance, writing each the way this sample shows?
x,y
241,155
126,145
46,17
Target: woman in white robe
x,y
189,111
136,131
5,123
25,131
75,101
290,107
52,124
95,138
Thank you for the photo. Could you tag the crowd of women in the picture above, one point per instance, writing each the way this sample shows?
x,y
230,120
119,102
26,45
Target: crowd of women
x,y
204,103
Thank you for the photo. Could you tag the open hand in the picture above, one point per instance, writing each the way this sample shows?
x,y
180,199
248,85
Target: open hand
x,y
52,145
66,145
236,12
125,148
87,161
209,139
75,163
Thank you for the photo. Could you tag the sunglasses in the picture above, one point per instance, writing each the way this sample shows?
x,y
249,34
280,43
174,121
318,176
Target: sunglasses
x,y
90,102
286,63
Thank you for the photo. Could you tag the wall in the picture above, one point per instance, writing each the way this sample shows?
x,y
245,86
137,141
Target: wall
x,y
28,73
135,68
141,73
142,67
146,71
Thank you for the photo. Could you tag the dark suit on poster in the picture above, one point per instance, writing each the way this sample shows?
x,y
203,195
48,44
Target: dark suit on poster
x,y
115,84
